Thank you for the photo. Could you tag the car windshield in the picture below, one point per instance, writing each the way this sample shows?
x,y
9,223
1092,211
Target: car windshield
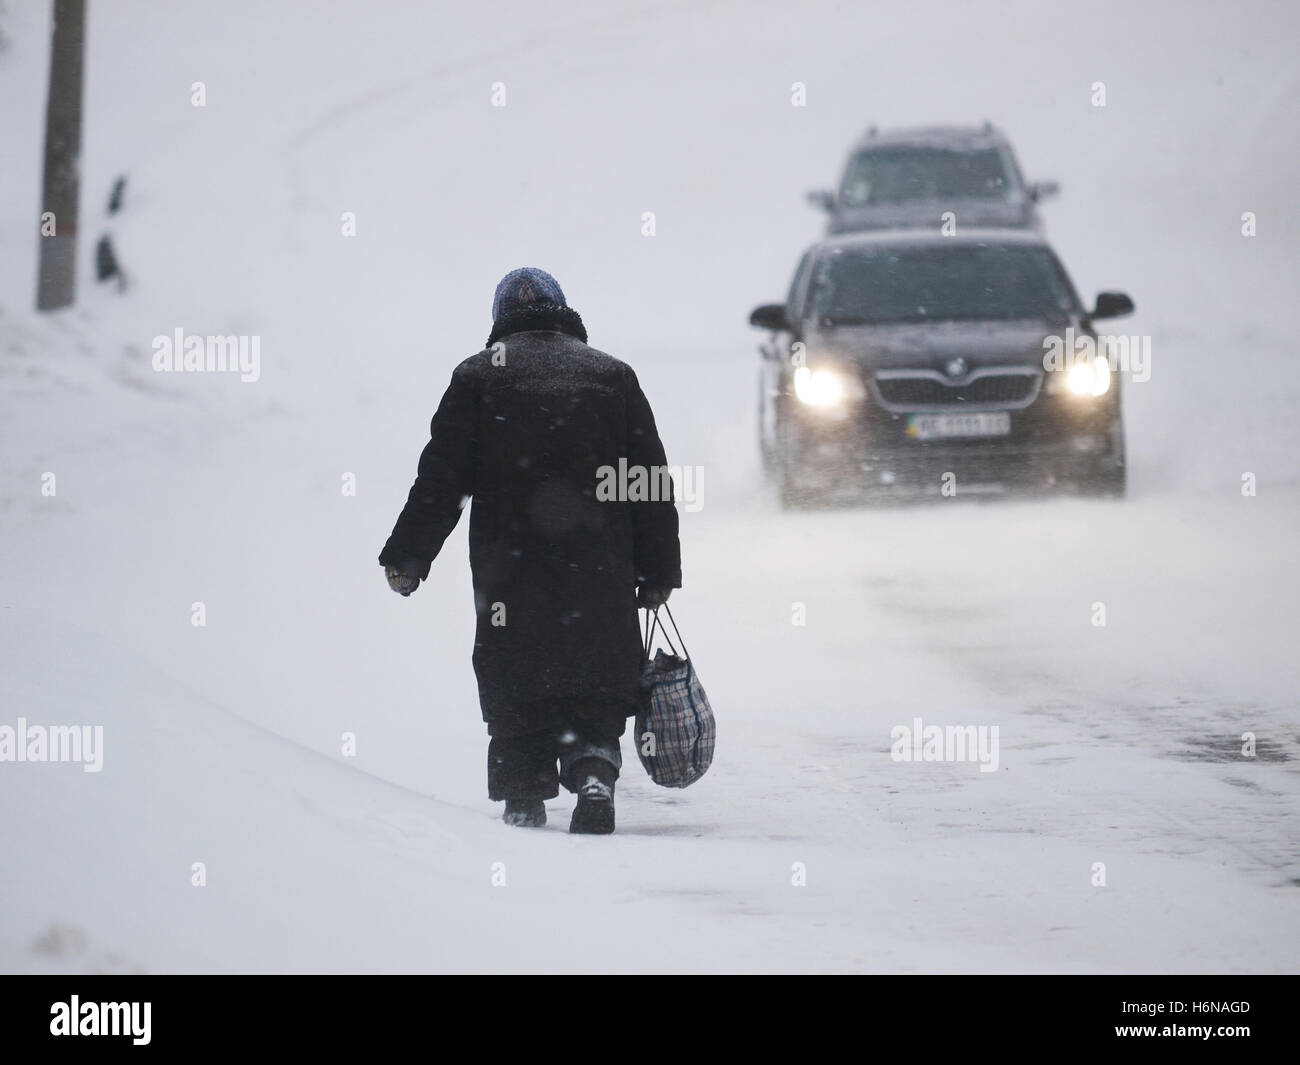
x,y
980,282
907,172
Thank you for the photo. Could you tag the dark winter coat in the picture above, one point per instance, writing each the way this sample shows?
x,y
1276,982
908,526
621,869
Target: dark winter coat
x,y
523,430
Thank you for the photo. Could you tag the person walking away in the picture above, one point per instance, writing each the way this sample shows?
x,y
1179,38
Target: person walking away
x,y
527,431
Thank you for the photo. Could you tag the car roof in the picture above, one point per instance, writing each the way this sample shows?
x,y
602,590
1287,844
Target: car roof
x,y
923,238
961,138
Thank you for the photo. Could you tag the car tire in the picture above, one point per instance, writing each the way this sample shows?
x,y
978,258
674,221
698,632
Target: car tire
x,y
792,487
1108,483
1110,479
794,496
786,461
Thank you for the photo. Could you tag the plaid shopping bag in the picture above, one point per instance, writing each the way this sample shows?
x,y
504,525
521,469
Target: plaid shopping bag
x,y
675,729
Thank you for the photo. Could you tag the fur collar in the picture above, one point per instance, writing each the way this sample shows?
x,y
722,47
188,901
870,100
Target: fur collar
x,y
542,316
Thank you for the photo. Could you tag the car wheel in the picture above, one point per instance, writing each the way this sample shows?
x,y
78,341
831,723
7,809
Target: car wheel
x,y
1110,479
1109,482
794,496
792,486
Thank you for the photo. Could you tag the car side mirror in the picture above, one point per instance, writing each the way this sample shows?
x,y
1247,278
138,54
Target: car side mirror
x,y
1044,190
770,316
822,199
1112,305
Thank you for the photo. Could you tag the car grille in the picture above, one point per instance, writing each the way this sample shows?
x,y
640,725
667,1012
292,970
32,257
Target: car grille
x,y
913,390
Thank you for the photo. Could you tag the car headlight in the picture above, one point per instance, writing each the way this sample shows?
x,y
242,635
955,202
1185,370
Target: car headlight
x,y
1087,377
826,388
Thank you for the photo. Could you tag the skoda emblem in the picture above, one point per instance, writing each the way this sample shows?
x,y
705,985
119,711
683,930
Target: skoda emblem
x,y
955,368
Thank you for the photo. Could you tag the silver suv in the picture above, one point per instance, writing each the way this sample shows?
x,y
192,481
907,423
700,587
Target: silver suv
x,y
909,178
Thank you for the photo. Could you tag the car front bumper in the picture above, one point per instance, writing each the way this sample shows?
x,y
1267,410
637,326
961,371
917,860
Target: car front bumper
x,y
1057,437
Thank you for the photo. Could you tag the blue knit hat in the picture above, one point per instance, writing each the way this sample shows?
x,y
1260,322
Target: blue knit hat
x,y
525,285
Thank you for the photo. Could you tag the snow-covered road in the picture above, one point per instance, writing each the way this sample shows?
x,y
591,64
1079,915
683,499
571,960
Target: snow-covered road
x,y
807,847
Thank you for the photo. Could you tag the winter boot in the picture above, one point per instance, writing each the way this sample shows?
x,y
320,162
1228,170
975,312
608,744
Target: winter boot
x,y
594,814
525,813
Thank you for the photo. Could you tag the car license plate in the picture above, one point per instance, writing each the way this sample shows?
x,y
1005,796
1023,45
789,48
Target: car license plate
x,y
940,426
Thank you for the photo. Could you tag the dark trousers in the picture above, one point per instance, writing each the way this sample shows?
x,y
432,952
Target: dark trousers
x,y
525,766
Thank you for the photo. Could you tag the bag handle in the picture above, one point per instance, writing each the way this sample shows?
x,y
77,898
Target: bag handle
x,y
653,622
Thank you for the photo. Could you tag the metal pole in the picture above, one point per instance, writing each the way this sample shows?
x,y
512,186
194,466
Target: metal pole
x,y
57,274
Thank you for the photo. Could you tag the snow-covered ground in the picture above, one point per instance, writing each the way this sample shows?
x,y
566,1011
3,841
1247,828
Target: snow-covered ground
x,y
222,744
